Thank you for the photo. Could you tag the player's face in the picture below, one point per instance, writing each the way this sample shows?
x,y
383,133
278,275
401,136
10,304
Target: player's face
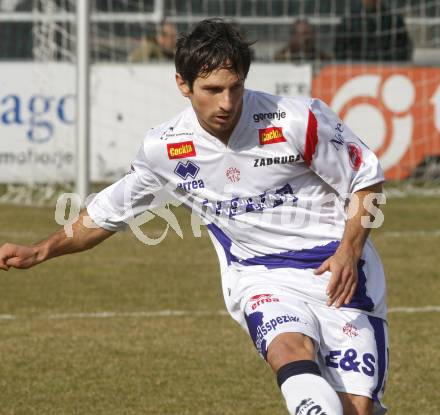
x,y
217,101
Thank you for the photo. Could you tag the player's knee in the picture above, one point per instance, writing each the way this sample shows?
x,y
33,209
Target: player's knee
x,y
356,404
289,347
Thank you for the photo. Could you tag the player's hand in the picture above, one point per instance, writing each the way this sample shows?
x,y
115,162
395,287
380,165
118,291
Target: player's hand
x,y
17,256
344,279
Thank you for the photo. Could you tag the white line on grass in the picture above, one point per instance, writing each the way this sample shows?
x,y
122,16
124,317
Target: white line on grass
x,y
8,317
177,313
427,309
155,233
399,234
158,313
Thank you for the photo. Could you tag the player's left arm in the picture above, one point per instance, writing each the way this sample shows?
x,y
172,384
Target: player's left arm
x,y
335,153
343,264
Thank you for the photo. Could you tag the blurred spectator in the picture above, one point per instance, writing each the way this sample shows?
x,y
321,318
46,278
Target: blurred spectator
x,y
302,44
159,48
372,32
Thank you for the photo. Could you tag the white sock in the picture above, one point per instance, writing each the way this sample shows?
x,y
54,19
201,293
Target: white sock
x,y
308,394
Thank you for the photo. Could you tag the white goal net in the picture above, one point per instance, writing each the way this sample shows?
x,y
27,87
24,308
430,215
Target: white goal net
x,y
376,63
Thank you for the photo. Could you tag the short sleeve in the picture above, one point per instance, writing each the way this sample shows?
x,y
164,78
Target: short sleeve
x,y
139,190
336,154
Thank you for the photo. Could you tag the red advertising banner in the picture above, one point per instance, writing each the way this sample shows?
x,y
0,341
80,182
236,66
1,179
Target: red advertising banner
x,y
394,110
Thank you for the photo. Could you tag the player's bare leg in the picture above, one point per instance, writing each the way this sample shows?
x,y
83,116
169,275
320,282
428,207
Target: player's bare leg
x,y
289,347
292,357
356,404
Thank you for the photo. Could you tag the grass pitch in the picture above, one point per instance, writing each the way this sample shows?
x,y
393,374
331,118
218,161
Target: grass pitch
x,y
58,357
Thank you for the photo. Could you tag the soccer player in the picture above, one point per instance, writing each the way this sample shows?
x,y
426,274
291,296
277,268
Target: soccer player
x,y
283,185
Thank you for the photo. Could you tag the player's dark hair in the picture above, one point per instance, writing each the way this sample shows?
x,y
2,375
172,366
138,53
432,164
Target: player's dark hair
x,y
211,44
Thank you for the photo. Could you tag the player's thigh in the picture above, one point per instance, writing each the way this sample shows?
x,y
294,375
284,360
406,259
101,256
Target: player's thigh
x,y
353,355
282,327
289,347
356,404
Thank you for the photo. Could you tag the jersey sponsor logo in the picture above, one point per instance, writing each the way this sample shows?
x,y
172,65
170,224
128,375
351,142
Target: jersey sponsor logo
x,y
338,137
354,155
185,170
195,184
268,161
254,321
271,325
271,135
260,299
258,329
309,407
233,174
261,116
171,133
350,360
241,205
181,150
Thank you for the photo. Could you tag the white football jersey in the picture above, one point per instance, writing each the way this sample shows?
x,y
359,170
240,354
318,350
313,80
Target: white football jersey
x,y
274,197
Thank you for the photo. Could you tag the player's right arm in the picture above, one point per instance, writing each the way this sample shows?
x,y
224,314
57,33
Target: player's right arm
x,y
59,243
110,211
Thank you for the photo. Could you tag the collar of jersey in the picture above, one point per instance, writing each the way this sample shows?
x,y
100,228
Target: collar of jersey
x,y
236,132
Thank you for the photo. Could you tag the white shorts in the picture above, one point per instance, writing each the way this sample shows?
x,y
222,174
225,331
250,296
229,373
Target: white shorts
x,y
351,347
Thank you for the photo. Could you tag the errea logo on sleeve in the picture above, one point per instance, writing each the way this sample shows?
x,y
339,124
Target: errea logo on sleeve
x,y
271,135
181,150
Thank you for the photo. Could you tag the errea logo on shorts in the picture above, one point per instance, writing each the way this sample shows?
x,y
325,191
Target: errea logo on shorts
x,y
271,135
181,150
260,299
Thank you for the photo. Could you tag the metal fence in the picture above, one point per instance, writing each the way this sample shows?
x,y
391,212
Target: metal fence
x,y
117,25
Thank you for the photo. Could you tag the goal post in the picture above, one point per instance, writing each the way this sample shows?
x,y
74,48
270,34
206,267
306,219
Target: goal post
x,y
83,99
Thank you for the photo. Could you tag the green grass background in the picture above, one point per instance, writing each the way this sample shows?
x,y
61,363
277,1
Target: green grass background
x,y
198,365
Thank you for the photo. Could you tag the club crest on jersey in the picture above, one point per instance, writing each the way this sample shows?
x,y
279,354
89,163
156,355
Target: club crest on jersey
x,y
354,155
188,169
271,135
350,330
181,150
233,174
